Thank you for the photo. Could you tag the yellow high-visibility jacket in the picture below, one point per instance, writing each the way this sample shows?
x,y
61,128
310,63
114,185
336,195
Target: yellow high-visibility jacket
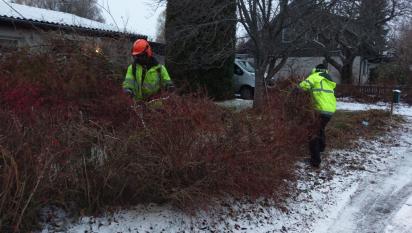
x,y
155,79
322,89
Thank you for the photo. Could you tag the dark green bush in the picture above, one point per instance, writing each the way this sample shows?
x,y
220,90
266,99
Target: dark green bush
x,y
201,46
389,74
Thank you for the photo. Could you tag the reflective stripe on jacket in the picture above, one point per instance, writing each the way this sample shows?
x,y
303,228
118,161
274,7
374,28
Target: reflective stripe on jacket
x,y
156,78
322,90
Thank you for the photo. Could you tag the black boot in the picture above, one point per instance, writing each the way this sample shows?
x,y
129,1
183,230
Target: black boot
x,y
315,149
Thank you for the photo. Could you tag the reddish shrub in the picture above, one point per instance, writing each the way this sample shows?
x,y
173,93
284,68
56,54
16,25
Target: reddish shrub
x,y
77,139
66,82
47,103
190,149
27,153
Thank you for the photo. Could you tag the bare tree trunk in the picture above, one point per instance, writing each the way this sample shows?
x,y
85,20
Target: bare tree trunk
x,y
345,69
259,88
347,72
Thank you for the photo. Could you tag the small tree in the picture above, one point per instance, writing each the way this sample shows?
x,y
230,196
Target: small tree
x,y
266,23
404,50
264,20
358,27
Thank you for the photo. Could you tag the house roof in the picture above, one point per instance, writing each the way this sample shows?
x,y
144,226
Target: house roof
x,y
18,13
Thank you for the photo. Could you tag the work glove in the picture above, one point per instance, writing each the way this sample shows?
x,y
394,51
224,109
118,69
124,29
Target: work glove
x,y
297,91
170,88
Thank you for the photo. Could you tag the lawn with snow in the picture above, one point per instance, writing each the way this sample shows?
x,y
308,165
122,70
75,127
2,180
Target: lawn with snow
x,y
399,109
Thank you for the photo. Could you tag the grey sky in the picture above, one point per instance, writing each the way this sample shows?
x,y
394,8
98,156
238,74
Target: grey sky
x,y
142,15
139,16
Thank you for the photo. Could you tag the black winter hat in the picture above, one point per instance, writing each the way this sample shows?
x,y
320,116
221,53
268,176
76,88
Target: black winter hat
x,y
321,67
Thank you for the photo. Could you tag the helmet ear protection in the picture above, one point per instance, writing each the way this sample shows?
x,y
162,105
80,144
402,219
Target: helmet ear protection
x,y
141,46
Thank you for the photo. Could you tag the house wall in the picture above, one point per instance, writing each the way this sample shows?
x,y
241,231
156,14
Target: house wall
x,y
302,66
36,39
21,37
118,50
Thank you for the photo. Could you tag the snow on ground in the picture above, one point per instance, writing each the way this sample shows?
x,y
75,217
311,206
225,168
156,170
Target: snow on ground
x,y
381,198
401,223
348,104
342,104
366,189
236,104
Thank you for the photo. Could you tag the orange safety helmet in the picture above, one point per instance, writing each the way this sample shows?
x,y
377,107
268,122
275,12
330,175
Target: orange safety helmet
x,y
141,46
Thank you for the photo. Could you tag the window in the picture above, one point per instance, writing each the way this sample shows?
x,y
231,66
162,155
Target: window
x,y
246,66
365,67
312,36
8,43
285,35
238,70
288,35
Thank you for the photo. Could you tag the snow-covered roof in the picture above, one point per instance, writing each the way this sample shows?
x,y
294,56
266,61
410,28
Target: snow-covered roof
x,y
38,15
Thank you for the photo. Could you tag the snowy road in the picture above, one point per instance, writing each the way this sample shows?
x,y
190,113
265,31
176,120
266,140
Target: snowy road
x,y
382,202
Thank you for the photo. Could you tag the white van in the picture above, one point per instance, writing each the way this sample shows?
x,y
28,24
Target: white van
x,y
244,78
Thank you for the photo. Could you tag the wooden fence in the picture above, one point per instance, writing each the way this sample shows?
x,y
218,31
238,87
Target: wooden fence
x,y
371,91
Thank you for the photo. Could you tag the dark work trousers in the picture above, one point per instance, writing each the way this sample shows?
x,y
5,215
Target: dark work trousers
x,y
318,142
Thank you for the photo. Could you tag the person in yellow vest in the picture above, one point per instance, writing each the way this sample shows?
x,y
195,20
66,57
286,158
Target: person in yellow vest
x,y
321,87
145,77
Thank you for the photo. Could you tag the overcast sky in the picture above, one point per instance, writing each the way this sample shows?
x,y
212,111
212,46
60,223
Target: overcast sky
x,y
139,16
